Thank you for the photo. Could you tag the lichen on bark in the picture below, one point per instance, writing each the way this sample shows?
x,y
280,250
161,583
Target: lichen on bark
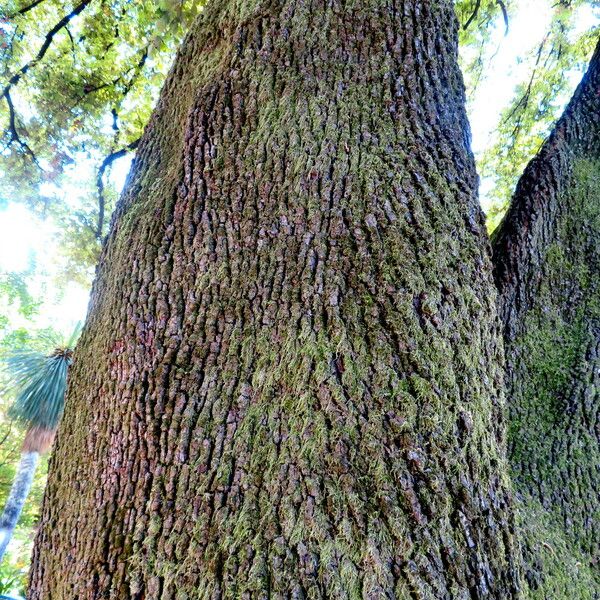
x,y
290,381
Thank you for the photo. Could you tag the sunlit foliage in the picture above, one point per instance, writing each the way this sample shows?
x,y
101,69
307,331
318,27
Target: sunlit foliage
x,y
554,65
78,81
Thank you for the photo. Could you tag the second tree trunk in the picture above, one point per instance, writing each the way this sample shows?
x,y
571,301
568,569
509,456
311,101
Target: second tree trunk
x,y
547,265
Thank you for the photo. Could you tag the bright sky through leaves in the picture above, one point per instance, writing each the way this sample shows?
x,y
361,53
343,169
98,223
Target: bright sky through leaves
x,y
506,69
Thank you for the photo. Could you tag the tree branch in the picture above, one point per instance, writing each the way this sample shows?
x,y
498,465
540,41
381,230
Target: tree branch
x,y
524,100
137,68
504,14
26,9
12,128
473,15
44,48
8,432
475,12
100,183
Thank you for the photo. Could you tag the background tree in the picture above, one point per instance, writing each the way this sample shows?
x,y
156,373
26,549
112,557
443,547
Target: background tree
x,y
547,267
39,381
290,379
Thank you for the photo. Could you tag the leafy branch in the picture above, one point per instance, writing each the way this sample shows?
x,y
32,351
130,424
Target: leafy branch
x,y
26,9
16,77
44,48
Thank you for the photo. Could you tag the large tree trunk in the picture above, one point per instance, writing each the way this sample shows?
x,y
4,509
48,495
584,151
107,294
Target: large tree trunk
x,y
547,267
290,380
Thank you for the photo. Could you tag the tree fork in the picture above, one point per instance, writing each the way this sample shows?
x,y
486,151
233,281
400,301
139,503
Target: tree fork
x,y
290,381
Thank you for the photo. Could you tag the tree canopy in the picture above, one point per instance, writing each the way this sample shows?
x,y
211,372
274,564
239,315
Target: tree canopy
x,y
78,83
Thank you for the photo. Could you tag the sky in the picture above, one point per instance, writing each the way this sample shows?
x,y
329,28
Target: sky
x,y
25,238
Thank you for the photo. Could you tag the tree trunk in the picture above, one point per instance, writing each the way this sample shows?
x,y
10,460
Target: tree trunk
x,y
290,382
547,268
16,498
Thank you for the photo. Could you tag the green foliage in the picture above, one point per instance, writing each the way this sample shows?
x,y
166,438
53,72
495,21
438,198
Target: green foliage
x,y
13,286
41,381
14,572
88,75
11,577
478,20
554,65
78,81
13,569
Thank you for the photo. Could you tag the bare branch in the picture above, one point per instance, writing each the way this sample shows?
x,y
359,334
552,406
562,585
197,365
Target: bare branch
x,y
14,134
72,42
473,15
504,14
475,12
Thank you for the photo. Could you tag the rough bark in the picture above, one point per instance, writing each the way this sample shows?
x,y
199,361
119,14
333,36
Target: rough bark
x,y
290,381
547,268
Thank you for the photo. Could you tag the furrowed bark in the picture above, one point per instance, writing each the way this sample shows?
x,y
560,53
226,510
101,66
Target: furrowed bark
x,y
547,268
290,381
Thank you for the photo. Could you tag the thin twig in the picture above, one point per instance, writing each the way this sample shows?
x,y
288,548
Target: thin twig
x,y
524,100
72,43
90,89
26,9
8,432
119,153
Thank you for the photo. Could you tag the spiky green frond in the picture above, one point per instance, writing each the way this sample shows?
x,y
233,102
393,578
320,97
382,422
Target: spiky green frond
x,y
38,382
50,340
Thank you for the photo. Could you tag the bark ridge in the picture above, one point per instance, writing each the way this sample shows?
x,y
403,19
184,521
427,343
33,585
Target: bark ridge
x,y
290,381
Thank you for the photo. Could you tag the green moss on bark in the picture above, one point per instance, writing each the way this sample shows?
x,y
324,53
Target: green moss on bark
x,y
553,386
291,379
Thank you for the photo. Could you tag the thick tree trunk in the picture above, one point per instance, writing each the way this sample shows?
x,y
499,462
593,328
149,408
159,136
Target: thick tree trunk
x,y
290,380
16,498
547,267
